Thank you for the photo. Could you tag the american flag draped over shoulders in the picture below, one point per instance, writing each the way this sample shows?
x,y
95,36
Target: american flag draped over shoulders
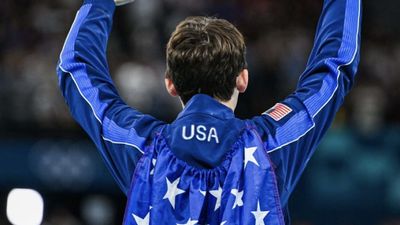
x,y
242,190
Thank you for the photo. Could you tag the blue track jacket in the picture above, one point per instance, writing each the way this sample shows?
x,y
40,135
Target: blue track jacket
x,y
208,167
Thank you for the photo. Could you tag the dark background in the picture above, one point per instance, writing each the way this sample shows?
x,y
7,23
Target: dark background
x,y
354,177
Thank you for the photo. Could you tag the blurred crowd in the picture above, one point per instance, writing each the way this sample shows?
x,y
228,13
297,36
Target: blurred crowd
x,y
359,160
279,36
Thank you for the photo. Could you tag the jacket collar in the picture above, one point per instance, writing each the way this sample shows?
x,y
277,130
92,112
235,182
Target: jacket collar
x,y
204,104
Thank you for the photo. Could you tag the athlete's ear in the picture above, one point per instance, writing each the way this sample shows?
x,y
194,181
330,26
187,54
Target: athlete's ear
x,y
170,87
242,80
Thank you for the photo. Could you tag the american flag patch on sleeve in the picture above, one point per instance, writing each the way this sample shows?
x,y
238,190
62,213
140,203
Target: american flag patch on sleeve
x,y
279,111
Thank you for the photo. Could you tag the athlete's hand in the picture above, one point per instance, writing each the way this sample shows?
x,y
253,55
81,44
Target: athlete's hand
x,y
122,2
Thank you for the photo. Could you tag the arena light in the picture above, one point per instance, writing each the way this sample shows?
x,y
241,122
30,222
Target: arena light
x,y
24,207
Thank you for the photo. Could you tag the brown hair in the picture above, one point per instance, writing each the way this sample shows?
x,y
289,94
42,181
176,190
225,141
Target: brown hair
x,y
205,55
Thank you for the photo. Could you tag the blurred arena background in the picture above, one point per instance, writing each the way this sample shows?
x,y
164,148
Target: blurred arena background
x,y
353,179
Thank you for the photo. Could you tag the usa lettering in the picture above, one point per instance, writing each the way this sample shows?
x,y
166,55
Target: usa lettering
x,y
200,132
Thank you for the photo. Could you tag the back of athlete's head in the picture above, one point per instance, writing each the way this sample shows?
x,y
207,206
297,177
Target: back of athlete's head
x,y
205,55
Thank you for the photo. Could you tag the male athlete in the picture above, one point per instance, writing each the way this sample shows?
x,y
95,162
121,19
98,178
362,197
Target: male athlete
x,y
208,167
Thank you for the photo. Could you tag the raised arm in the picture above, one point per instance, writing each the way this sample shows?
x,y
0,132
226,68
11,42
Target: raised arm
x,y
293,128
118,131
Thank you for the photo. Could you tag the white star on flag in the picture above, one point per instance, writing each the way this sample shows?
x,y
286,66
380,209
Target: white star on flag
x,y
239,195
202,192
189,222
172,191
249,156
259,215
140,221
153,161
223,223
217,194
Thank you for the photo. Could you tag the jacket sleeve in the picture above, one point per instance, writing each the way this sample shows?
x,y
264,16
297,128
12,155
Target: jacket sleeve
x,y
292,129
118,131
